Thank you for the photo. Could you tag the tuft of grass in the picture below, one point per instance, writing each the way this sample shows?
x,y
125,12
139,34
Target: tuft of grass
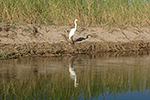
x,y
63,12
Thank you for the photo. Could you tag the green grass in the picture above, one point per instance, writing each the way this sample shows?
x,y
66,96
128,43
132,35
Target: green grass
x,y
90,12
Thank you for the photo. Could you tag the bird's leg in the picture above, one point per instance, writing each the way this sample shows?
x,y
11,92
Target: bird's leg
x,y
72,40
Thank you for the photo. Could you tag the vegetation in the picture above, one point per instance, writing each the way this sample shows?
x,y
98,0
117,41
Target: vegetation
x,y
90,12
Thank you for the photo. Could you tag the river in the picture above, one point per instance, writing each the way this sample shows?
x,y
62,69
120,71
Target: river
x,y
81,77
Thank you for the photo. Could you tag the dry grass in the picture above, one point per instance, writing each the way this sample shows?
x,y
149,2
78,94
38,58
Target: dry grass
x,y
90,12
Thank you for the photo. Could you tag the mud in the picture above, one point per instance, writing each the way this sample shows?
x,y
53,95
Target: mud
x,y
50,41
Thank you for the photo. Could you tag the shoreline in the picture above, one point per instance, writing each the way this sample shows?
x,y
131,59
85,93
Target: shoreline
x,y
52,41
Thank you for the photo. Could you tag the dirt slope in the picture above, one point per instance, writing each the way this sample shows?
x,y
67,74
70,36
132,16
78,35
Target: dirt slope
x,y
29,40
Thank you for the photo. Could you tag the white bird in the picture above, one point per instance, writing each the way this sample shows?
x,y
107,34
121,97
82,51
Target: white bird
x,y
73,74
73,31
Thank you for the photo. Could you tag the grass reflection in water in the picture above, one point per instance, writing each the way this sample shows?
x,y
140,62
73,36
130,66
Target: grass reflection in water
x,y
38,79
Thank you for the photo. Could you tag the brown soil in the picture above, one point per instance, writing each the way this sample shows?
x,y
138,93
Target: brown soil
x,y
29,40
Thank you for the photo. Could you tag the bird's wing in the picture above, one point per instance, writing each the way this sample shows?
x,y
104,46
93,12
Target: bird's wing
x,y
72,32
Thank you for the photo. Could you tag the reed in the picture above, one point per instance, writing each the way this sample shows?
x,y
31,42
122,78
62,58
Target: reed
x,y
91,13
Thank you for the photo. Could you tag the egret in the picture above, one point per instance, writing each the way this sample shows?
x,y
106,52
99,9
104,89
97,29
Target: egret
x,y
73,31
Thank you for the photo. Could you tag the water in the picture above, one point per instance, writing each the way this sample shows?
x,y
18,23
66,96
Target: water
x,y
80,77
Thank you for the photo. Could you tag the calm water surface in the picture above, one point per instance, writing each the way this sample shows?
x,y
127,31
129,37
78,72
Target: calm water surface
x,y
81,77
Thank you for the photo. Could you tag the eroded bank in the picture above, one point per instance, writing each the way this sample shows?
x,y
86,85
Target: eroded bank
x,y
48,41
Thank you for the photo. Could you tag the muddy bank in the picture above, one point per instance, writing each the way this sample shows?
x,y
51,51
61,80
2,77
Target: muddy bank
x,y
48,41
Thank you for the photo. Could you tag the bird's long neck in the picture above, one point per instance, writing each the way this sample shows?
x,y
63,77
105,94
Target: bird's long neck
x,y
75,25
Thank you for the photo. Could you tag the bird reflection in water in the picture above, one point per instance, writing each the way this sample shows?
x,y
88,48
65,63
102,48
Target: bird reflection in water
x,y
73,73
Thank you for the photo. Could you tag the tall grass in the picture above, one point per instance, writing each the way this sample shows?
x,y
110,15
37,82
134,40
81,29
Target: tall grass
x,y
89,12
